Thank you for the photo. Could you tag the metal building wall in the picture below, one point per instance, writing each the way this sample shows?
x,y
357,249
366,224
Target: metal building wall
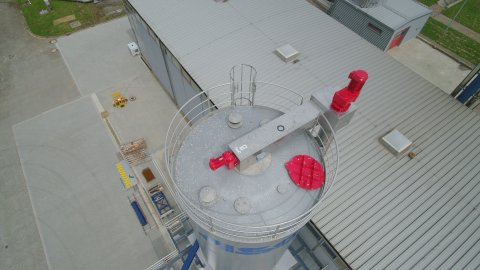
x,y
183,86
150,48
415,28
173,78
358,22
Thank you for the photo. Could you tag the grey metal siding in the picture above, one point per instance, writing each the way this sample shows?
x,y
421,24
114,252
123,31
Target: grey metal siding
x,y
415,27
348,15
153,54
150,48
183,87
164,65
358,22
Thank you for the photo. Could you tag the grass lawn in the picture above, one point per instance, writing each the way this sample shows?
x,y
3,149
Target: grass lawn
x,y
469,16
428,3
456,42
87,13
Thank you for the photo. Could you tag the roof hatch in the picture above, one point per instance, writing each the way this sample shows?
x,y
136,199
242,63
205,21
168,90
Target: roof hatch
x,y
287,53
396,142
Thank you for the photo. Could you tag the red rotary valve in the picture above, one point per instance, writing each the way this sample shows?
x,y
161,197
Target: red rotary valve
x,y
343,98
228,159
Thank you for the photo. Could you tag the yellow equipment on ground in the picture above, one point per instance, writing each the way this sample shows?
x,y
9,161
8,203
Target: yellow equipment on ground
x,y
126,174
119,100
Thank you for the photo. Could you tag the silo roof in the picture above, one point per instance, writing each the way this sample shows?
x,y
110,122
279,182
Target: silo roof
x,y
383,211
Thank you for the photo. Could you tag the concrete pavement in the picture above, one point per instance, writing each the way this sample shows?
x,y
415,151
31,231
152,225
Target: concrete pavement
x,y
431,64
98,57
82,210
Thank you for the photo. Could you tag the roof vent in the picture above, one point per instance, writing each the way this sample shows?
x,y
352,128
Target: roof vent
x,y
287,53
396,142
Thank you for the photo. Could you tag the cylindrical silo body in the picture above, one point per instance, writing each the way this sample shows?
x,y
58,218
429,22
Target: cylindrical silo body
x,y
223,253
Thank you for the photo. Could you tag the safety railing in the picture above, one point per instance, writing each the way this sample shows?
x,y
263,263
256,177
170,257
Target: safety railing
x,y
268,95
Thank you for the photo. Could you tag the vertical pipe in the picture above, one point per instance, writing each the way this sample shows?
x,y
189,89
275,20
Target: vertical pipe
x,y
453,19
139,213
191,256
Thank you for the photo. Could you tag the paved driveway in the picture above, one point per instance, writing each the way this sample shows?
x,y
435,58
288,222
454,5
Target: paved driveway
x,y
98,57
431,64
81,208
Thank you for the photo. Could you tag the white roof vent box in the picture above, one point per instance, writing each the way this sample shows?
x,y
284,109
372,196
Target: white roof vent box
x,y
396,142
287,53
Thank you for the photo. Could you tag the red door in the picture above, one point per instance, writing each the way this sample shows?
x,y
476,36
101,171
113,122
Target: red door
x,y
398,39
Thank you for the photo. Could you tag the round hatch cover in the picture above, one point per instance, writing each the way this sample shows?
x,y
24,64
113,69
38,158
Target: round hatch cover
x,y
306,172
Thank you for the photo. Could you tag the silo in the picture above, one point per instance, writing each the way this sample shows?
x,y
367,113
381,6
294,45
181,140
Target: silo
x,y
280,159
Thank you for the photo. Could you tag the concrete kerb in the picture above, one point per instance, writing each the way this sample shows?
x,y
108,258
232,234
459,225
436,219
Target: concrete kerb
x,y
50,110
34,211
69,70
447,52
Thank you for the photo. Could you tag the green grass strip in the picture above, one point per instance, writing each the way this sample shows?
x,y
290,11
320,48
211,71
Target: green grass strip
x,y
453,40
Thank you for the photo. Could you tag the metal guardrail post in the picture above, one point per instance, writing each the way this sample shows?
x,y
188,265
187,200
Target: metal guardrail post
x,y
465,81
470,90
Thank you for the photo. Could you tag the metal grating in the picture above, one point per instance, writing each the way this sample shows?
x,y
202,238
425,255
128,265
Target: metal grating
x,y
135,152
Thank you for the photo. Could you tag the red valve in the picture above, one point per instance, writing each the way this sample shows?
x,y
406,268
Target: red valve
x,y
343,98
228,159
358,79
306,172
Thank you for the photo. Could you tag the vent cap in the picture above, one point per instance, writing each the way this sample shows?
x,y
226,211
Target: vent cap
x,y
396,142
287,53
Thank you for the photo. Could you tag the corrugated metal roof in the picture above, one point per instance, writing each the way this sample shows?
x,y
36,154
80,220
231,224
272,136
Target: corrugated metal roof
x,y
383,212
394,13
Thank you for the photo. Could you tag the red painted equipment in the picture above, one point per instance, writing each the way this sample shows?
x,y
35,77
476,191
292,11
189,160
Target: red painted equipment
x,y
306,172
343,98
228,159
